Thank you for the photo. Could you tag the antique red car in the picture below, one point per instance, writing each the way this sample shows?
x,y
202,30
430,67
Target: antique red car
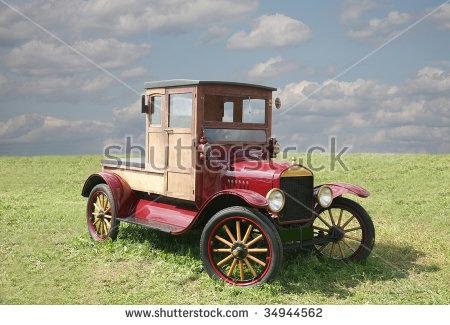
x,y
209,164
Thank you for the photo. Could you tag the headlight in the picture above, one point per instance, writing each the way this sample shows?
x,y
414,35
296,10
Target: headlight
x,y
325,196
276,200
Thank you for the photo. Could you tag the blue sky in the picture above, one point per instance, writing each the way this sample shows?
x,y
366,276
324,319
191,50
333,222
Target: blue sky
x,y
55,101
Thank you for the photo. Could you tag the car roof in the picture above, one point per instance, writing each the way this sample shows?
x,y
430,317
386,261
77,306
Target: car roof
x,y
189,82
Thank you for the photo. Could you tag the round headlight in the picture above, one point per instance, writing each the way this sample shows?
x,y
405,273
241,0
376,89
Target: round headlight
x,y
276,200
325,196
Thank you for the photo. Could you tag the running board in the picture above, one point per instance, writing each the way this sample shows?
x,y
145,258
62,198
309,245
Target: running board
x,y
152,224
161,216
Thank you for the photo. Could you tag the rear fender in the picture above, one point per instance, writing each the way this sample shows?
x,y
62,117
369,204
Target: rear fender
x,y
340,189
124,197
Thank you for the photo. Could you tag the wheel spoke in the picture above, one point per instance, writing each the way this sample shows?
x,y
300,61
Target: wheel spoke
x,y
353,238
97,207
241,270
353,229
320,228
226,259
233,265
226,242
257,250
332,249
247,234
227,230
255,240
222,250
238,230
107,216
323,246
104,200
250,267
340,217
347,222
108,223
340,249
348,246
323,220
257,260
331,217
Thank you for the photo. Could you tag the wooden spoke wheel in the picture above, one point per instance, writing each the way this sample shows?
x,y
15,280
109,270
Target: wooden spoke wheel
x,y
350,228
101,219
241,247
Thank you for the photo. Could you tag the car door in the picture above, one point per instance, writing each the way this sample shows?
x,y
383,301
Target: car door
x,y
180,179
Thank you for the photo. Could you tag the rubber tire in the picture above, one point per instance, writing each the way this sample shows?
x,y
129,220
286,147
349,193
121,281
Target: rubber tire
x,y
366,225
261,220
114,222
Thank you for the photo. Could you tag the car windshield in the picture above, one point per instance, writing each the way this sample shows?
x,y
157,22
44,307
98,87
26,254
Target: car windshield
x,y
228,109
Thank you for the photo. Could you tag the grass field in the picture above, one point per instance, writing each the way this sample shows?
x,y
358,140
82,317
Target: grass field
x,y
47,257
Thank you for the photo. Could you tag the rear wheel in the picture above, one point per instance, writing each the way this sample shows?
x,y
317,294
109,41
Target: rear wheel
x,y
101,214
350,227
241,247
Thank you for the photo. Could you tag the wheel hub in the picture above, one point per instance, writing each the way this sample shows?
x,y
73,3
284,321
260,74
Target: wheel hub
x,y
336,233
239,250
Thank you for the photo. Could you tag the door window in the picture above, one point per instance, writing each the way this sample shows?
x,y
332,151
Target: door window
x,y
180,110
156,108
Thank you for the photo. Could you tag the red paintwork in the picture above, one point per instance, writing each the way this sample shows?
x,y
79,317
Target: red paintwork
x,y
161,215
124,197
339,189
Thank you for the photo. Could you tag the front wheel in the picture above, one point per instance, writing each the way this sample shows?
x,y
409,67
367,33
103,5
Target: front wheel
x,y
349,228
241,247
101,214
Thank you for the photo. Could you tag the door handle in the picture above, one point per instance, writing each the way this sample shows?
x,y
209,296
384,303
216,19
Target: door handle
x,y
168,130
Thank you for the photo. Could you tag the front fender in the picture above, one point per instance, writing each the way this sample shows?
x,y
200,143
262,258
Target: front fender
x,y
124,197
339,189
252,198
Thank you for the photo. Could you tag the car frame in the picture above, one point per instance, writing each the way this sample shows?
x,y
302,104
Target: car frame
x,y
209,164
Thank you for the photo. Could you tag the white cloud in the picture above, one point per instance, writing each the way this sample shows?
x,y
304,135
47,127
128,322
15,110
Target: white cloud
x,y
213,34
380,28
105,18
271,68
354,9
271,31
370,116
442,16
43,58
134,73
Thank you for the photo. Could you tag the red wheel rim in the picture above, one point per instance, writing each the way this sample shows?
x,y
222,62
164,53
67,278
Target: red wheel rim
x,y
239,251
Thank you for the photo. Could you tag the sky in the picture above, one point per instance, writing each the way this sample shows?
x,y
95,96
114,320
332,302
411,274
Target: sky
x,y
373,74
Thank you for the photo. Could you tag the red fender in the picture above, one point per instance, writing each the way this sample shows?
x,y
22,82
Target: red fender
x,y
339,189
124,197
252,198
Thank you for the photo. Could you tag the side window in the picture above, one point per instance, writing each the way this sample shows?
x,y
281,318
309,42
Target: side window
x,y
228,109
156,109
254,111
180,110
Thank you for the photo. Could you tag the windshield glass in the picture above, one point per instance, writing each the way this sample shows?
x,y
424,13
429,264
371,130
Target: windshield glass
x,y
235,109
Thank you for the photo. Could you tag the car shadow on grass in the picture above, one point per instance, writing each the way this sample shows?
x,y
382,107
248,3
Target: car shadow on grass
x,y
302,271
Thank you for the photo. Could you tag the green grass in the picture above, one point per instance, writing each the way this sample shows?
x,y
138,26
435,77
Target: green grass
x,y
46,256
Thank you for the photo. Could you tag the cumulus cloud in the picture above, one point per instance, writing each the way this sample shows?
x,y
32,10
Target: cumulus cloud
x,y
105,18
271,31
213,34
369,115
36,133
271,68
380,28
43,58
353,9
442,16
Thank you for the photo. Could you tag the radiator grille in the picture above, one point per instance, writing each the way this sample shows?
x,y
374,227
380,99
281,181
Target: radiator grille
x,y
300,189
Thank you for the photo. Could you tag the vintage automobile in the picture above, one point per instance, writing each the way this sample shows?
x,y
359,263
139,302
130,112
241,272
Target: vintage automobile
x,y
209,164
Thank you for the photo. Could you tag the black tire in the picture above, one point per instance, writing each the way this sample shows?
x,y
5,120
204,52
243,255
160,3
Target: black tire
x,y
240,253
111,231
367,231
